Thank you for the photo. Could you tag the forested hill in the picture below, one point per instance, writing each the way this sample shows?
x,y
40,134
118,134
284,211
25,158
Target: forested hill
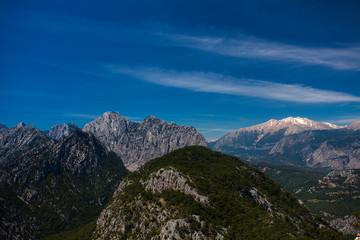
x,y
198,193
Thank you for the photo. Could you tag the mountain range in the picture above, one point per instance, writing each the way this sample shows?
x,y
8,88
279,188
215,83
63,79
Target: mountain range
x,y
59,179
296,141
62,179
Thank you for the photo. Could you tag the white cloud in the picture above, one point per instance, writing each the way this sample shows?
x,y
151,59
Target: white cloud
x,y
250,47
218,83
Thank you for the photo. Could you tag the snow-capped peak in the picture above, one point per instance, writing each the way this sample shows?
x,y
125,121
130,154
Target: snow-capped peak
x,y
298,120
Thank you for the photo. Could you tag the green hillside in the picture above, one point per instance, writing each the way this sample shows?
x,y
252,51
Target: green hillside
x,y
198,192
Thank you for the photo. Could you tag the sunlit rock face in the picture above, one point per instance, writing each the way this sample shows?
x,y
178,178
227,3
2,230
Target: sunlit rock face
x,y
137,143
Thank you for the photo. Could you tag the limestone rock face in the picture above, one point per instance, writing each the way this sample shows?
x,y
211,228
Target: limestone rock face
x,y
137,143
59,131
170,179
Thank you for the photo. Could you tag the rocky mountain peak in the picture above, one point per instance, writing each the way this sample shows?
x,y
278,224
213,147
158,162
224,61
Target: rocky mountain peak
x,y
153,120
297,120
20,125
60,131
137,143
18,139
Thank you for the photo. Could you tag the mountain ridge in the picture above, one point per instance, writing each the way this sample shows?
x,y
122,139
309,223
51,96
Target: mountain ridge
x,y
268,141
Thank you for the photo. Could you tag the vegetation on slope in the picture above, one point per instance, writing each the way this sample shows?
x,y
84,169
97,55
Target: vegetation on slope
x,y
243,203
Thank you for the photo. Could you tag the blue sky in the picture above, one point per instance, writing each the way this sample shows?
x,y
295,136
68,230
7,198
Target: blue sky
x,y
215,65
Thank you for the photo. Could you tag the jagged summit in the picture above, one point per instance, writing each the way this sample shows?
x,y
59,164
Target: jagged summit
x,y
20,125
19,138
60,131
153,120
137,143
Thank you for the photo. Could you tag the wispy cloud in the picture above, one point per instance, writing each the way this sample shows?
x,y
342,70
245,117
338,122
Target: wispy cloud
x,y
80,115
250,47
218,83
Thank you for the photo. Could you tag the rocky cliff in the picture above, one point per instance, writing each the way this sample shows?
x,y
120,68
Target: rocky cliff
x,y
195,193
137,143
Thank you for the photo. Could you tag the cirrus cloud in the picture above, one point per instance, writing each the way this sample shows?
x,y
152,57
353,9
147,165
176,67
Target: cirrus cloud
x,y
219,83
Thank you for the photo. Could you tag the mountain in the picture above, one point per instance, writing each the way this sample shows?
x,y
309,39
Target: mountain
x,y
18,139
56,186
354,126
295,141
327,149
137,143
265,135
59,131
334,196
196,193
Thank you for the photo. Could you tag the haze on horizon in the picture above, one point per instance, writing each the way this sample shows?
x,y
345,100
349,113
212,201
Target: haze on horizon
x,y
214,65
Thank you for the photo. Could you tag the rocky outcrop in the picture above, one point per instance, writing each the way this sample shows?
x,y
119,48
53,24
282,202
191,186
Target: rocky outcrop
x,y
345,225
59,131
171,179
137,143
260,199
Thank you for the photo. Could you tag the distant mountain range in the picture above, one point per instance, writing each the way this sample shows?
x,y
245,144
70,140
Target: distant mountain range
x,y
296,141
